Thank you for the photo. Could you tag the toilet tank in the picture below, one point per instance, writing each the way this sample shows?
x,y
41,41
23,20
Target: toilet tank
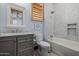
x,y
39,37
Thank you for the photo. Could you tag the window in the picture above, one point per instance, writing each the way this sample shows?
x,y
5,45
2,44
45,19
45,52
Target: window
x,y
16,15
37,12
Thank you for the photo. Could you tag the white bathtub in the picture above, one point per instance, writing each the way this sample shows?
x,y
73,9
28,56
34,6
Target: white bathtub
x,y
65,47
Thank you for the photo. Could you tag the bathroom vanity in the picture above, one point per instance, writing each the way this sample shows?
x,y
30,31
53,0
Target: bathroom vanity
x,y
17,44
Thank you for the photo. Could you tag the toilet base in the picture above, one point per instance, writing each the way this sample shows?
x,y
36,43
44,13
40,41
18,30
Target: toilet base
x,y
44,52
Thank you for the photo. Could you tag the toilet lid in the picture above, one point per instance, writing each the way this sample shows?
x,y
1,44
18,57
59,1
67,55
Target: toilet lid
x,y
43,43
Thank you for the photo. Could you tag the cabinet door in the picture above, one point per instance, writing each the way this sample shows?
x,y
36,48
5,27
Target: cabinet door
x,y
7,46
25,46
27,52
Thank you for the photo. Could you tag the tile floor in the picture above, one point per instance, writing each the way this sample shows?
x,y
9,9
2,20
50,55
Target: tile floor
x,y
51,54
37,53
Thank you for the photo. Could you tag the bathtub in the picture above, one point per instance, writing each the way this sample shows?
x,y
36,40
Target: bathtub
x,y
64,47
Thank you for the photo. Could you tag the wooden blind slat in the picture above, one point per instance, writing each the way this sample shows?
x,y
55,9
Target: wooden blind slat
x,y
37,12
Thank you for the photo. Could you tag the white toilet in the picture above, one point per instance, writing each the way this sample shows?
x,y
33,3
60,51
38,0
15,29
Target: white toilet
x,y
44,45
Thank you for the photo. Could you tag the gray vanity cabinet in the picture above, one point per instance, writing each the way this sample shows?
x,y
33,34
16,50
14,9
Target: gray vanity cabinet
x,y
7,46
25,45
20,45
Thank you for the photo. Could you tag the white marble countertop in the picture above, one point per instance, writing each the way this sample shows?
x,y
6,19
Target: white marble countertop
x,y
14,34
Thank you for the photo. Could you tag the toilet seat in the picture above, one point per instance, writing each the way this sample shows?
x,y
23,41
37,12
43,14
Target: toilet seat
x,y
44,44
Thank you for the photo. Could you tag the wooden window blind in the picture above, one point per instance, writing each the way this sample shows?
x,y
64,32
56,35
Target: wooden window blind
x,y
37,12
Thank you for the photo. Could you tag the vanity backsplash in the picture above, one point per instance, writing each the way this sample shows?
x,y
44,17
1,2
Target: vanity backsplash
x,y
11,30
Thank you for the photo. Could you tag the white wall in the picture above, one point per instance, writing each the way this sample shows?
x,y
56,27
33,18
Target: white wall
x,y
66,13
3,16
32,26
29,24
48,20
54,24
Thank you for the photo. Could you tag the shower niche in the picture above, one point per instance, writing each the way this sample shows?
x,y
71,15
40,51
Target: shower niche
x,y
15,15
72,31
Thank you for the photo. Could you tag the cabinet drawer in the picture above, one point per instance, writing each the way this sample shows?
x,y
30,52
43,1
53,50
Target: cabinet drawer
x,y
27,52
25,37
24,40
24,45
